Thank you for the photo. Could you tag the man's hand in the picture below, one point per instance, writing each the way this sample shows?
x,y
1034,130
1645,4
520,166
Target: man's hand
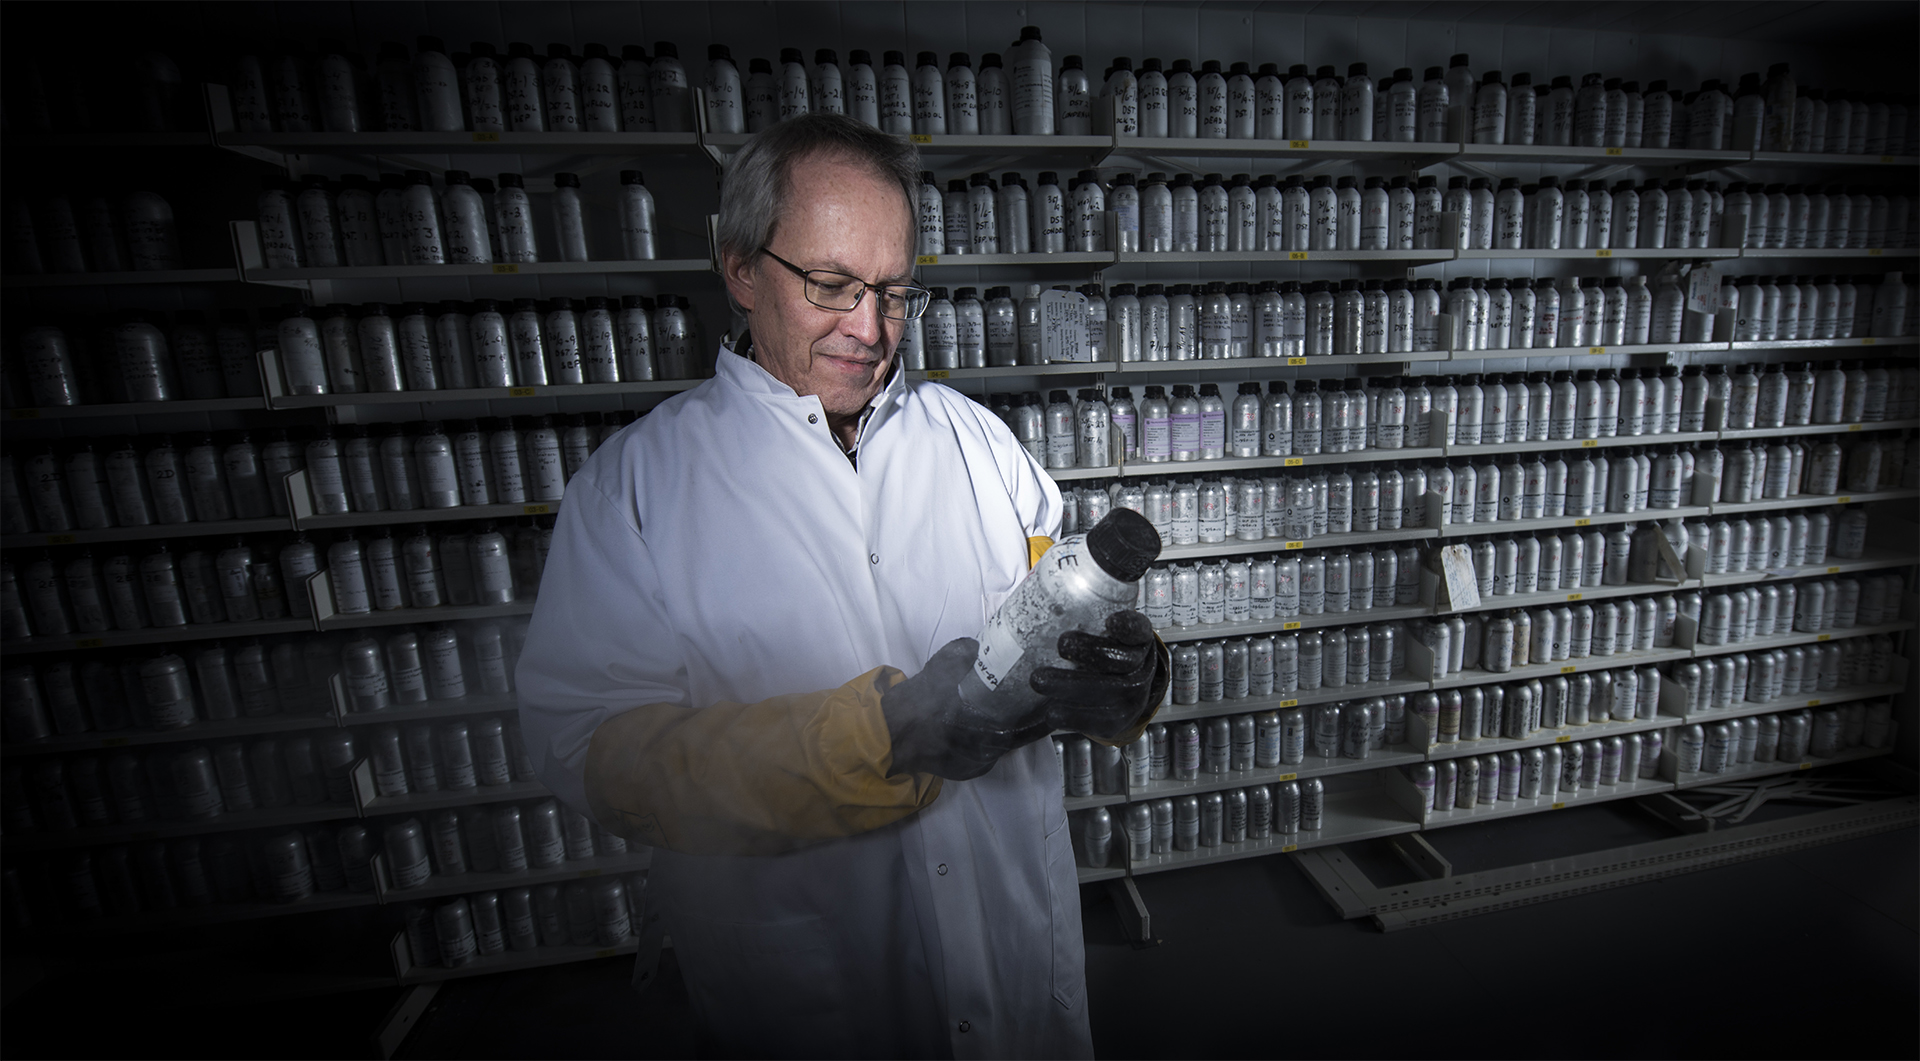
x,y
1118,680
935,732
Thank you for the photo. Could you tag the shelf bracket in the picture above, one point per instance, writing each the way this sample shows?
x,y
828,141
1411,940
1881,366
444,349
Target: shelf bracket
x,y
1136,922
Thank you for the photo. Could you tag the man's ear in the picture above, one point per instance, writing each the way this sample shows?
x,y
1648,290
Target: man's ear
x,y
739,274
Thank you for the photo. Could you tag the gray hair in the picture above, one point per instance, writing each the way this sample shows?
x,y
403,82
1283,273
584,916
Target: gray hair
x,y
759,180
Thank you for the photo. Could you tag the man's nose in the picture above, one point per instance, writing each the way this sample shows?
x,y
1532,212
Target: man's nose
x,y
863,321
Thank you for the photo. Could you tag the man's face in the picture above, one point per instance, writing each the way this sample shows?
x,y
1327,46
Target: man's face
x,y
845,218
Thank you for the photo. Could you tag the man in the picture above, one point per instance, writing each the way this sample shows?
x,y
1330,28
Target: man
x,y
848,861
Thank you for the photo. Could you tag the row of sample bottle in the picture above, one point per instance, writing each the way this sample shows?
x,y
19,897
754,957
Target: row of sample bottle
x,y
342,349
456,932
193,873
1521,710
1786,737
174,690
142,356
1736,616
431,465
403,220
1557,772
198,783
1305,417
1222,320
134,232
1209,820
1153,214
1795,672
496,838
255,579
329,89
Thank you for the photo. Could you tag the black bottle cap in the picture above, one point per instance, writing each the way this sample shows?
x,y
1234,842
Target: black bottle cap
x,y
1124,544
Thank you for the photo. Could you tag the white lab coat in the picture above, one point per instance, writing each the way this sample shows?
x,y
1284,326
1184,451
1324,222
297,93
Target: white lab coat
x,y
722,548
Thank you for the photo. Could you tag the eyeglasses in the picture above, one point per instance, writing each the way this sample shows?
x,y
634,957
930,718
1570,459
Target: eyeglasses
x,y
840,292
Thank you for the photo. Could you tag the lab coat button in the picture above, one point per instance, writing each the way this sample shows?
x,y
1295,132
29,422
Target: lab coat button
x,y
964,1026
873,557
813,418
941,869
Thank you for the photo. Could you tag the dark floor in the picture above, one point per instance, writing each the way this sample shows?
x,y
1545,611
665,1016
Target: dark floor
x,y
1815,953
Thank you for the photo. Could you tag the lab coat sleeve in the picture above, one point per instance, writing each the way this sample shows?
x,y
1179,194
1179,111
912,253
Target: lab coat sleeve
x,y
608,720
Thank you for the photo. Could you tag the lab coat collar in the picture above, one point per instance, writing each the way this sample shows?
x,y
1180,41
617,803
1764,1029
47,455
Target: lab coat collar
x,y
734,367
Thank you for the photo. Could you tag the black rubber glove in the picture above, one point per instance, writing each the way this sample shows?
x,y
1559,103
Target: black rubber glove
x,y
1118,679
935,732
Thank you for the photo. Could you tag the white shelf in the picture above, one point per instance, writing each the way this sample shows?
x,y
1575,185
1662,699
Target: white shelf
x,y
400,517
1601,253
1464,678
157,635
1126,258
155,276
1035,260
185,405
1552,445
276,818
203,730
1577,797
508,961
1598,519
1820,344
484,394
1829,252
1810,501
1796,703
1062,368
1595,730
424,802
1581,351
399,714
1312,766
296,277
473,882
1748,771
1838,568
1599,156
1233,547
446,613
1799,430
1529,601
1818,158
264,525
461,143
1296,622
1765,644
1399,686
1299,150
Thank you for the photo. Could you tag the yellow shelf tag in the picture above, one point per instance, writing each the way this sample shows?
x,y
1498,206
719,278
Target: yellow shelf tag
x,y
1296,361
116,742
1596,349
589,873
520,392
538,510
1295,625
1568,669
1289,847
1559,806
1583,523
1589,443
1845,498
927,259
90,642
1603,253
1855,427
1833,570
1295,462
1293,545
1813,703
1563,738
60,539
1573,596
486,138
1616,151
1296,256
1873,252
1886,158
1288,777
1289,703
1301,145
1806,766
506,268
1868,341
1823,637
939,373
922,138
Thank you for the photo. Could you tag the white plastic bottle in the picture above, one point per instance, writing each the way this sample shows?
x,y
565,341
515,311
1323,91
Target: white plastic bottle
x,y
896,96
667,81
560,85
636,217
513,218
636,90
826,84
486,99
436,86
569,218
1031,82
599,91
